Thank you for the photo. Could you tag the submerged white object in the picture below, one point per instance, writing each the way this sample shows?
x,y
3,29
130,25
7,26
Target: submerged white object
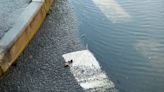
x,y
112,10
87,71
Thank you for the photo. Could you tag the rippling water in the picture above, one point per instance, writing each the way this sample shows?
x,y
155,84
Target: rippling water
x,y
127,37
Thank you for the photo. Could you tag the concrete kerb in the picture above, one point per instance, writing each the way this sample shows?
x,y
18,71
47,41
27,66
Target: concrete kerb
x,y
18,37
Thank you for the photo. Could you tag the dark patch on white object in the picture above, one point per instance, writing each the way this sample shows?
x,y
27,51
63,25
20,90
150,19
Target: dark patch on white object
x,y
67,64
87,71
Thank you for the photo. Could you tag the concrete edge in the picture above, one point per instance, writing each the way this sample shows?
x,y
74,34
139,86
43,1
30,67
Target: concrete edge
x,y
18,37
24,20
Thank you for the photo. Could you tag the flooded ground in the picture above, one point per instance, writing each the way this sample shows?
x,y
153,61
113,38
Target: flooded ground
x,y
126,37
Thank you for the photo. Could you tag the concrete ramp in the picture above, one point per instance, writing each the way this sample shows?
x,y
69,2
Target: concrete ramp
x,y
88,73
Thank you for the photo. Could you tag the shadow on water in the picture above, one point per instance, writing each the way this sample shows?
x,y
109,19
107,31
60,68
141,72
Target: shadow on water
x,y
118,48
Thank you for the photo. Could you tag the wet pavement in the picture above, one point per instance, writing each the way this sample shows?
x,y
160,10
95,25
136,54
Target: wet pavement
x,y
10,11
41,66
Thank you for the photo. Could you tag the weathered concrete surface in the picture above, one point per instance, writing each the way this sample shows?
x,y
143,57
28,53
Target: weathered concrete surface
x,y
41,66
10,11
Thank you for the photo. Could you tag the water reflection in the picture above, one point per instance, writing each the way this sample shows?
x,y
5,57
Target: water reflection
x,y
150,49
131,52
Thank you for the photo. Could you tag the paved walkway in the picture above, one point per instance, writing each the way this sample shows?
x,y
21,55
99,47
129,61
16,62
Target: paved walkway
x,y
41,67
10,11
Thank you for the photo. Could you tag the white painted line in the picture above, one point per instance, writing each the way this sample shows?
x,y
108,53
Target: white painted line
x,y
87,71
38,0
112,10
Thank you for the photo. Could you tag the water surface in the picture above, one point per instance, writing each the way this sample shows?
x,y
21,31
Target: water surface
x,y
126,37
